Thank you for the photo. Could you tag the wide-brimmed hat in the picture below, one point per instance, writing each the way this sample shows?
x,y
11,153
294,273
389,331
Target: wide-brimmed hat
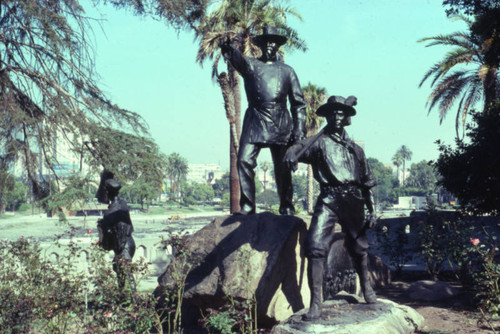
x,y
336,103
270,33
113,185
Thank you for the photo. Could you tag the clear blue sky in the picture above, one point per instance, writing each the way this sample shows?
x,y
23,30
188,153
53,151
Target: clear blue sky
x,y
364,48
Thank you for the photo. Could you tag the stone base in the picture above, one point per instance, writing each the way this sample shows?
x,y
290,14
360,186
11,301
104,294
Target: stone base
x,y
344,315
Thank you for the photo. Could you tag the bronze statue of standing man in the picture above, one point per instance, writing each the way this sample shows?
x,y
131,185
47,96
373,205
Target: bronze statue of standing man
x,y
341,169
269,83
115,229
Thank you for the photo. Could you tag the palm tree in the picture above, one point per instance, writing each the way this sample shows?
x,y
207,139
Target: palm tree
x,y
397,160
406,154
239,20
176,169
265,167
452,82
314,96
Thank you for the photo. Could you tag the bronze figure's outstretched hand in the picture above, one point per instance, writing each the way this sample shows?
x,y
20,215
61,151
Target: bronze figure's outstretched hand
x,y
371,220
225,46
296,136
291,160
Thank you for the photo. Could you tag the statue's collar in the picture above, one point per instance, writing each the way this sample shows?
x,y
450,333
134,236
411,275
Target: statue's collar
x,y
341,138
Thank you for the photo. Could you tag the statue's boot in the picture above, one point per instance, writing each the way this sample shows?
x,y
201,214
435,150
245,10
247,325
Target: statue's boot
x,y
315,275
245,210
361,265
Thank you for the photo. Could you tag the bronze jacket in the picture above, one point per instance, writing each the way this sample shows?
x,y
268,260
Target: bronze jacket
x,y
268,85
337,161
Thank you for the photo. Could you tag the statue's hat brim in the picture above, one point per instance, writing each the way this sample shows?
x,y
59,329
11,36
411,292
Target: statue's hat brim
x,y
270,33
336,103
328,108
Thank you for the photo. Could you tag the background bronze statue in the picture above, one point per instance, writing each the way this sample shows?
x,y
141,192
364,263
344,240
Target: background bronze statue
x,y
115,228
340,167
267,122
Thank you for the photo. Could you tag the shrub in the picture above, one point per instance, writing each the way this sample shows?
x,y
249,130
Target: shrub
x,y
38,295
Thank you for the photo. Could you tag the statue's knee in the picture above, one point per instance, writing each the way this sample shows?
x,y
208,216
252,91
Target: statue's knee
x,y
246,164
314,250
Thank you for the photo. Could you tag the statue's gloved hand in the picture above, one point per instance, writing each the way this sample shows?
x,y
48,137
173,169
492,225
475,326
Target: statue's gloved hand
x,y
290,160
371,220
296,137
225,46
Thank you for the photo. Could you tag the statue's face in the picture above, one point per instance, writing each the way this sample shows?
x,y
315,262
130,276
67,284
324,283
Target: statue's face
x,y
269,49
337,119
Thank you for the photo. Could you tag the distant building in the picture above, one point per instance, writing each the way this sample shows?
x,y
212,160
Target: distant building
x,y
68,162
204,173
411,202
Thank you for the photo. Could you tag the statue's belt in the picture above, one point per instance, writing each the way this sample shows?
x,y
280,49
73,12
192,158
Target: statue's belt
x,y
348,188
268,105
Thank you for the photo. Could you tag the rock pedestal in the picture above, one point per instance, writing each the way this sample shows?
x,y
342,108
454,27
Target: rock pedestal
x,y
256,256
340,316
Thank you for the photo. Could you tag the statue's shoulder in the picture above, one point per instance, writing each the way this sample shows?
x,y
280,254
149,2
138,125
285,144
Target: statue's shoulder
x,y
281,64
360,153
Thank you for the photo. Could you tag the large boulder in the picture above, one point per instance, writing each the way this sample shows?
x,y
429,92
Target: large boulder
x,y
431,291
244,257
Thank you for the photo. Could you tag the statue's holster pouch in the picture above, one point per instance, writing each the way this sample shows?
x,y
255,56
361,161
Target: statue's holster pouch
x,y
106,235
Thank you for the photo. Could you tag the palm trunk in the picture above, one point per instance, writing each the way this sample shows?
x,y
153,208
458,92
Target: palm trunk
x,y
235,181
310,189
403,184
232,99
1,204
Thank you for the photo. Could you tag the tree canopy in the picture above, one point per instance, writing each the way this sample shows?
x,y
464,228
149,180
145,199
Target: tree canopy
x,y
469,72
386,181
469,7
470,171
49,92
423,176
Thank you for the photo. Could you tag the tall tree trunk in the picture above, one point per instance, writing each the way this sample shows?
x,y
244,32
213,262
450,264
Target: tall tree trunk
x,y
310,189
1,204
233,116
403,184
235,186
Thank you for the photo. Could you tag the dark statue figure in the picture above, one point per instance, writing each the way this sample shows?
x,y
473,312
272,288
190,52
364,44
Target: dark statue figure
x,y
267,122
340,167
115,228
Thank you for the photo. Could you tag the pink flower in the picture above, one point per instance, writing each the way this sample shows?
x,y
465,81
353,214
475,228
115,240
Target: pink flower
x,y
21,237
89,230
474,241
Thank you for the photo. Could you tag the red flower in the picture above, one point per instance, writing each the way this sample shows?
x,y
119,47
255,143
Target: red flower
x,y
21,237
474,241
89,230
